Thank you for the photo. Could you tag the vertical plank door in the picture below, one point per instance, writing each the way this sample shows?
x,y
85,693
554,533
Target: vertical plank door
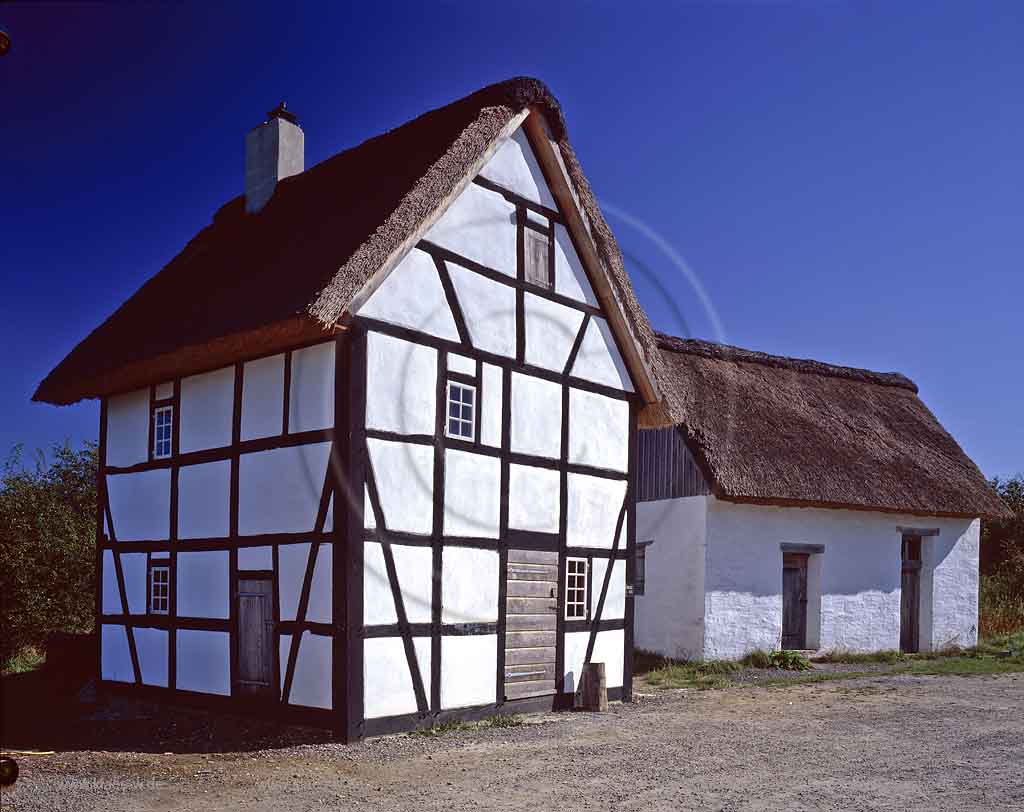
x,y
794,601
531,604
256,668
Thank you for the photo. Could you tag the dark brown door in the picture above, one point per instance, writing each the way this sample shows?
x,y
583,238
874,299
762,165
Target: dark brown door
x,y
794,601
910,595
256,669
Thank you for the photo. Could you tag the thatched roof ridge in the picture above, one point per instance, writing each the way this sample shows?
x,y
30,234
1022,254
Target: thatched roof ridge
x,y
775,430
248,284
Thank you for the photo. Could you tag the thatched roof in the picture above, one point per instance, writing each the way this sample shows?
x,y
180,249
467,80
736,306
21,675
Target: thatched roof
x,y
250,284
779,430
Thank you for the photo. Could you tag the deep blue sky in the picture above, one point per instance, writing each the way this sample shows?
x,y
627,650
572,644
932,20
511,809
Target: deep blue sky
x,y
844,179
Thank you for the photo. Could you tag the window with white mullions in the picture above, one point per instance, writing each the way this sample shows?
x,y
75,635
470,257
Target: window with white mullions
x,y
461,416
163,421
575,589
160,590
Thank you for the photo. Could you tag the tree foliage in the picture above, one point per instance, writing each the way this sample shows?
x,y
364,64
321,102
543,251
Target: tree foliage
x,y
47,546
1002,542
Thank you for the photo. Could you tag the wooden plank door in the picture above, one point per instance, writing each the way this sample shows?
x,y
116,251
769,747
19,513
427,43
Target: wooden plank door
x,y
910,594
794,601
531,604
256,650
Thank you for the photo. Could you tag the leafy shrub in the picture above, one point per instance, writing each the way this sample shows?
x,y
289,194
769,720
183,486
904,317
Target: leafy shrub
x,y
47,547
789,661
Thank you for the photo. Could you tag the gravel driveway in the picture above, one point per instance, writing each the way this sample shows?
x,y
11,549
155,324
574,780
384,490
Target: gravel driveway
x,y
891,743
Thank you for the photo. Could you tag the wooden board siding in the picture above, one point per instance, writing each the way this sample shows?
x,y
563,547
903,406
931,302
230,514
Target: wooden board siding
x,y
531,605
665,467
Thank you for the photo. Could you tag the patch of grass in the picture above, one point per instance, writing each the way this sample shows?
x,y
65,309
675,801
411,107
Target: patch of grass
x,y
502,721
758,658
889,657
703,675
27,659
443,729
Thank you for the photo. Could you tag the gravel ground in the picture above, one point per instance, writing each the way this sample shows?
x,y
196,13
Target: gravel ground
x,y
880,743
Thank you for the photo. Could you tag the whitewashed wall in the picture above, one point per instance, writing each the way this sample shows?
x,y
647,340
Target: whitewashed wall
x,y
854,585
128,428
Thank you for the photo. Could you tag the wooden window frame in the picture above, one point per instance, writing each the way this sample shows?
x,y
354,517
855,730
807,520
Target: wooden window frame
x,y
461,421
640,567
164,565
158,441
545,280
577,593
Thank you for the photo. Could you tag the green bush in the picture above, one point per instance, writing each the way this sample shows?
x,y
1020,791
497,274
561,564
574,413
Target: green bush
x,y
47,547
758,658
789,661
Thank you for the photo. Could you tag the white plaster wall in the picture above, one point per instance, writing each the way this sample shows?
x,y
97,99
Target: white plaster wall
x,y
312,681
110,591
951,561
479,225
598,360
128,428
412,296
491,399
115,655
163,391
669,616
140,504
291,571
207,405
255,558
472,494
321,605
489,309
311,400
469,585
615,600
204,500
609,648
387,681
133,565
593,510
460,363
401,391
404,473
570,277
467,670
533,498
551,330
262,397
152,648
279,490
514,167
204,661
202,584
598,430
414,568
536,416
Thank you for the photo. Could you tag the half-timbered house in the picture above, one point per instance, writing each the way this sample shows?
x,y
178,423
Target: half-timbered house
x,y
366,442
794,504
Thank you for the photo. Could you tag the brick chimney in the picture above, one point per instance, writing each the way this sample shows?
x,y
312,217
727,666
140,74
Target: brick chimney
x,y
273,151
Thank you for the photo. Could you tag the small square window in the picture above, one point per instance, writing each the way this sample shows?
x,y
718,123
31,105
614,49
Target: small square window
x,y
575,589
640,569
461,418
160,590
536,247
163,421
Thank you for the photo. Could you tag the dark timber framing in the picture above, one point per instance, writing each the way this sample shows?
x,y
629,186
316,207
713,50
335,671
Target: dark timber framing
x,y
349,473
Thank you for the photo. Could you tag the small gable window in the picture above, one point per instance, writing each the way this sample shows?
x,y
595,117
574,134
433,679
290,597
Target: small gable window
x,y
536,257
163,422
159,590
575,589
461,418
640,569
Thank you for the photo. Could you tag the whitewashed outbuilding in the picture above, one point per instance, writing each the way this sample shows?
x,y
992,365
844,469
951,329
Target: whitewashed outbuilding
x,y
799,505
366,443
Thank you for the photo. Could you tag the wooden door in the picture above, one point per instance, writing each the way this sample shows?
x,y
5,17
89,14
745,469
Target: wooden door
x,y
794,601
531,606
256,650
910,594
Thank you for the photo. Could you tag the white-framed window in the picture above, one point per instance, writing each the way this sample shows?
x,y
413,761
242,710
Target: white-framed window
x,y
461,420
163,422
575,589
160,589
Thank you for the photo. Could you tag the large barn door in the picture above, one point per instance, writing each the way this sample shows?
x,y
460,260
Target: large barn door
x,y
794,601
255,638
910,594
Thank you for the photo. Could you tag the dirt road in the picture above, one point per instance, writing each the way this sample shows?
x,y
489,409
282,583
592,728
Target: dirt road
x,y
893,743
